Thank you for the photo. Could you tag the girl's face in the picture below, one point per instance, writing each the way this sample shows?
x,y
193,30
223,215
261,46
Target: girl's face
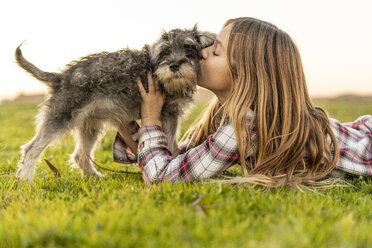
x,y
215,75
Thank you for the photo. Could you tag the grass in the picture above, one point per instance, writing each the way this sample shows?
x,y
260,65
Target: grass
x,y
121,211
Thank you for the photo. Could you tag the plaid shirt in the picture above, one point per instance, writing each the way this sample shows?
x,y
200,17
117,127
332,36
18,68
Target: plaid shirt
x,y
220,151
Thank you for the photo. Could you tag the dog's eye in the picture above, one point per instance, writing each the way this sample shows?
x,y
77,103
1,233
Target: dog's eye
x,y
188,46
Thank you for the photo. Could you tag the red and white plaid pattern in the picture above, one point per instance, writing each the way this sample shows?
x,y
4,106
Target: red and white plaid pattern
x,y
355,145
220,151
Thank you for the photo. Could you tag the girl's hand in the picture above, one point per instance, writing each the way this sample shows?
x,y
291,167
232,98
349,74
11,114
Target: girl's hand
x,y
152,102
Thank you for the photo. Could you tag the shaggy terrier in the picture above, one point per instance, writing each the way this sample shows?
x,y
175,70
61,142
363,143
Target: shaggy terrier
x,y
102,88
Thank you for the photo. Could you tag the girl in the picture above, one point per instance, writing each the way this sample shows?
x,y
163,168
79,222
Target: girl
x,y
263,118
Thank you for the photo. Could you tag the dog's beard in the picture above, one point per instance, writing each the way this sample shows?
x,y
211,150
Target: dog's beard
x,y
180,82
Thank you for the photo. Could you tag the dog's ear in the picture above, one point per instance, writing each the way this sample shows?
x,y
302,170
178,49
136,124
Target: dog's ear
x,y
164,35
205,38
154,49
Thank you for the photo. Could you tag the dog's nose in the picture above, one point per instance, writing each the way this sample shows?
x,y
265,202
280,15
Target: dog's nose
x,y
175,66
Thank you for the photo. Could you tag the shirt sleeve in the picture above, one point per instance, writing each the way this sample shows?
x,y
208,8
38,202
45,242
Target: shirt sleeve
x,y
355,145
216,154
124,155
182,147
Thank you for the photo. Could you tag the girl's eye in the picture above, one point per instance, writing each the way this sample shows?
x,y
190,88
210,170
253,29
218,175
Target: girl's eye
x,y
214,53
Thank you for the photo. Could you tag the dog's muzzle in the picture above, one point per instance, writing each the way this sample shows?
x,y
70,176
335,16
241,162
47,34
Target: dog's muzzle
x,y
175,66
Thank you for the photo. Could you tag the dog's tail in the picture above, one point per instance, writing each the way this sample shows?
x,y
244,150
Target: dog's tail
x,y
48,77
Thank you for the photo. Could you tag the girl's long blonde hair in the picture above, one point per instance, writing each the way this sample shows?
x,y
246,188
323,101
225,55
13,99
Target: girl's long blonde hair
x,y
268,78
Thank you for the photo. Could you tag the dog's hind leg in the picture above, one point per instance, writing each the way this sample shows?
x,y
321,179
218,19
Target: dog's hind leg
x,y
32,150
87,136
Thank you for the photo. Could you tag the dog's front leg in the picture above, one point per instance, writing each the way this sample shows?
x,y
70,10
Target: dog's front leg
x,y
170,126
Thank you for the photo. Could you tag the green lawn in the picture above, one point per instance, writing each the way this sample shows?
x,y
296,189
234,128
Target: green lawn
x,y
121,211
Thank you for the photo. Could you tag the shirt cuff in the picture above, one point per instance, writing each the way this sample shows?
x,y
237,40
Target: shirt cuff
x,y
121,152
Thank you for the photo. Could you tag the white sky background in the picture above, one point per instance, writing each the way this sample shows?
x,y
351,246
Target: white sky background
x,y
334,37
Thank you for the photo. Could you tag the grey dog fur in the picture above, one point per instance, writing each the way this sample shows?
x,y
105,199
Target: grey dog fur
x,y
101,88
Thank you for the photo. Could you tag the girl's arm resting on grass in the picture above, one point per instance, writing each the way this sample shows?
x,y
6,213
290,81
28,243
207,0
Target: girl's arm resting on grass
x,y
123,154
216,154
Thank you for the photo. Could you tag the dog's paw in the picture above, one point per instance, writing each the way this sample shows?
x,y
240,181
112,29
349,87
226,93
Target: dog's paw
x,y
99,175
93,173
24,175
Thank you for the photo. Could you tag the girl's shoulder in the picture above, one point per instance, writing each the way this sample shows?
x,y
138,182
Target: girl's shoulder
x,y
248,118
249,114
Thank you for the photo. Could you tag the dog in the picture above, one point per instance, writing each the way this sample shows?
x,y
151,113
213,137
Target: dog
x,y
101,88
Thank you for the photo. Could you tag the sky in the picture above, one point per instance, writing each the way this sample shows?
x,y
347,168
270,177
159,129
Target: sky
x,y
334,37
